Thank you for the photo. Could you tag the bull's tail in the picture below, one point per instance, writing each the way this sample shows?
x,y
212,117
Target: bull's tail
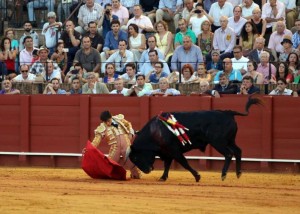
x,y
251,101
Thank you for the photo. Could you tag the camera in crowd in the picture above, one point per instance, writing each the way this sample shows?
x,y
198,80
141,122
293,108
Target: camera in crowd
x,y
197,11
75,71
107,11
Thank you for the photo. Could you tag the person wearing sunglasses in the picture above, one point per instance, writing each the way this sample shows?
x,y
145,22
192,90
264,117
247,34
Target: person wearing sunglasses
x,y
24,75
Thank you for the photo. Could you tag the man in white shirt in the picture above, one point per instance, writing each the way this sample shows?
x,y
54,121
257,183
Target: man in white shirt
x,y
143,22
119,87
218,9
236,22
148,66
273,11
129,76
239,62
248,6
25,76
290,12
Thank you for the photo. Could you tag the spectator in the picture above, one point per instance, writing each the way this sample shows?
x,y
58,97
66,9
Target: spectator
x,y
157,73
224,39
148,66
28,32
202,74
7,88
151,41
247,86
287,48
149,8
187,11
94,87
195,22
51,31
26,53
248,7
260,23
143,22
121,12
71,38
236,22
75,86
239,61
137,41
184,31
215,64
293,63
267,69
186,53
218,10
257,77
207,4
248,36
164,89
233,75
224,86
96,39
60,57
187,72
290,12
129,76
106,19
119,87
204,89
164,39
296,35
259,45
35,56
167,10
112,39
77,71
90,11
8,56
120,58
88,56
141,88
10,33
205,38
50,72
110,75
283,72
54,87
281,88
25,76
38,4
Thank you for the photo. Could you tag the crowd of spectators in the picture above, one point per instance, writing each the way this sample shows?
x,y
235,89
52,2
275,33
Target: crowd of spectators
x,y
139,42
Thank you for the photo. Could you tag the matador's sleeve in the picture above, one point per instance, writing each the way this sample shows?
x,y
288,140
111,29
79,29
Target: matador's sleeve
x,y
121,119
99,134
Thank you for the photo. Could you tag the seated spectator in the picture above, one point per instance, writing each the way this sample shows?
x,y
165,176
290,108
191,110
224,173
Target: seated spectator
x,y
60,57
259,45
110,75
217,10
157,73
287,48
148,66
119,87
149,8
35,56
96,38
215,64
141,88
205,38
121,12
7,88
136,41
290,12
167,10
248,7
236,22
143,22
296,35
283,72
188,10
94,87
233,75
248,37
31,33
187,74
202,74
204,89
121,57
77,71
183,32
49,72
8,56
106,19
281,88
31,5
224,86
10,33
129,76
88,56
164,39
256,76
54,87
239,62
259,23
164,89
196,20
293,64
247,86
51,31
90,11
267,69
75,86
25,76
26,54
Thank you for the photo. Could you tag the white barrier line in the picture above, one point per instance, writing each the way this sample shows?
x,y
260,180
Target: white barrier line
x,y
187,157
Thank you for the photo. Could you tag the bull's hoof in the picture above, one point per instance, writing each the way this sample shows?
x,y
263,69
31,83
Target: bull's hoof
x,y
238,174
223,177
197,178
163,179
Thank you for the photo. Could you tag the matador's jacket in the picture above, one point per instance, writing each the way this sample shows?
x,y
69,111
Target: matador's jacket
x,y
118,136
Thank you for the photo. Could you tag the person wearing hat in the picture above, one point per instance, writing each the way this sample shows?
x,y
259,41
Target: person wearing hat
x,y
215,64
287,45
51,32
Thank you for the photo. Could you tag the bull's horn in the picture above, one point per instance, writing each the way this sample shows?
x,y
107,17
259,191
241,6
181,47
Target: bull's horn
x,y
128,150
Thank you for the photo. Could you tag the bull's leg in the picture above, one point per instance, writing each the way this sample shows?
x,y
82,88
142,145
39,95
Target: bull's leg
x,y
167,164
238,156
228,156
183,161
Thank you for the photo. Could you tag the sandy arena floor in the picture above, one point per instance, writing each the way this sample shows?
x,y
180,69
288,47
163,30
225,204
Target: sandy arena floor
x,y
40,190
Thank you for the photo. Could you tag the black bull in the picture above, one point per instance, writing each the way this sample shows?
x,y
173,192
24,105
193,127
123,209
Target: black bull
x,y
217,128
